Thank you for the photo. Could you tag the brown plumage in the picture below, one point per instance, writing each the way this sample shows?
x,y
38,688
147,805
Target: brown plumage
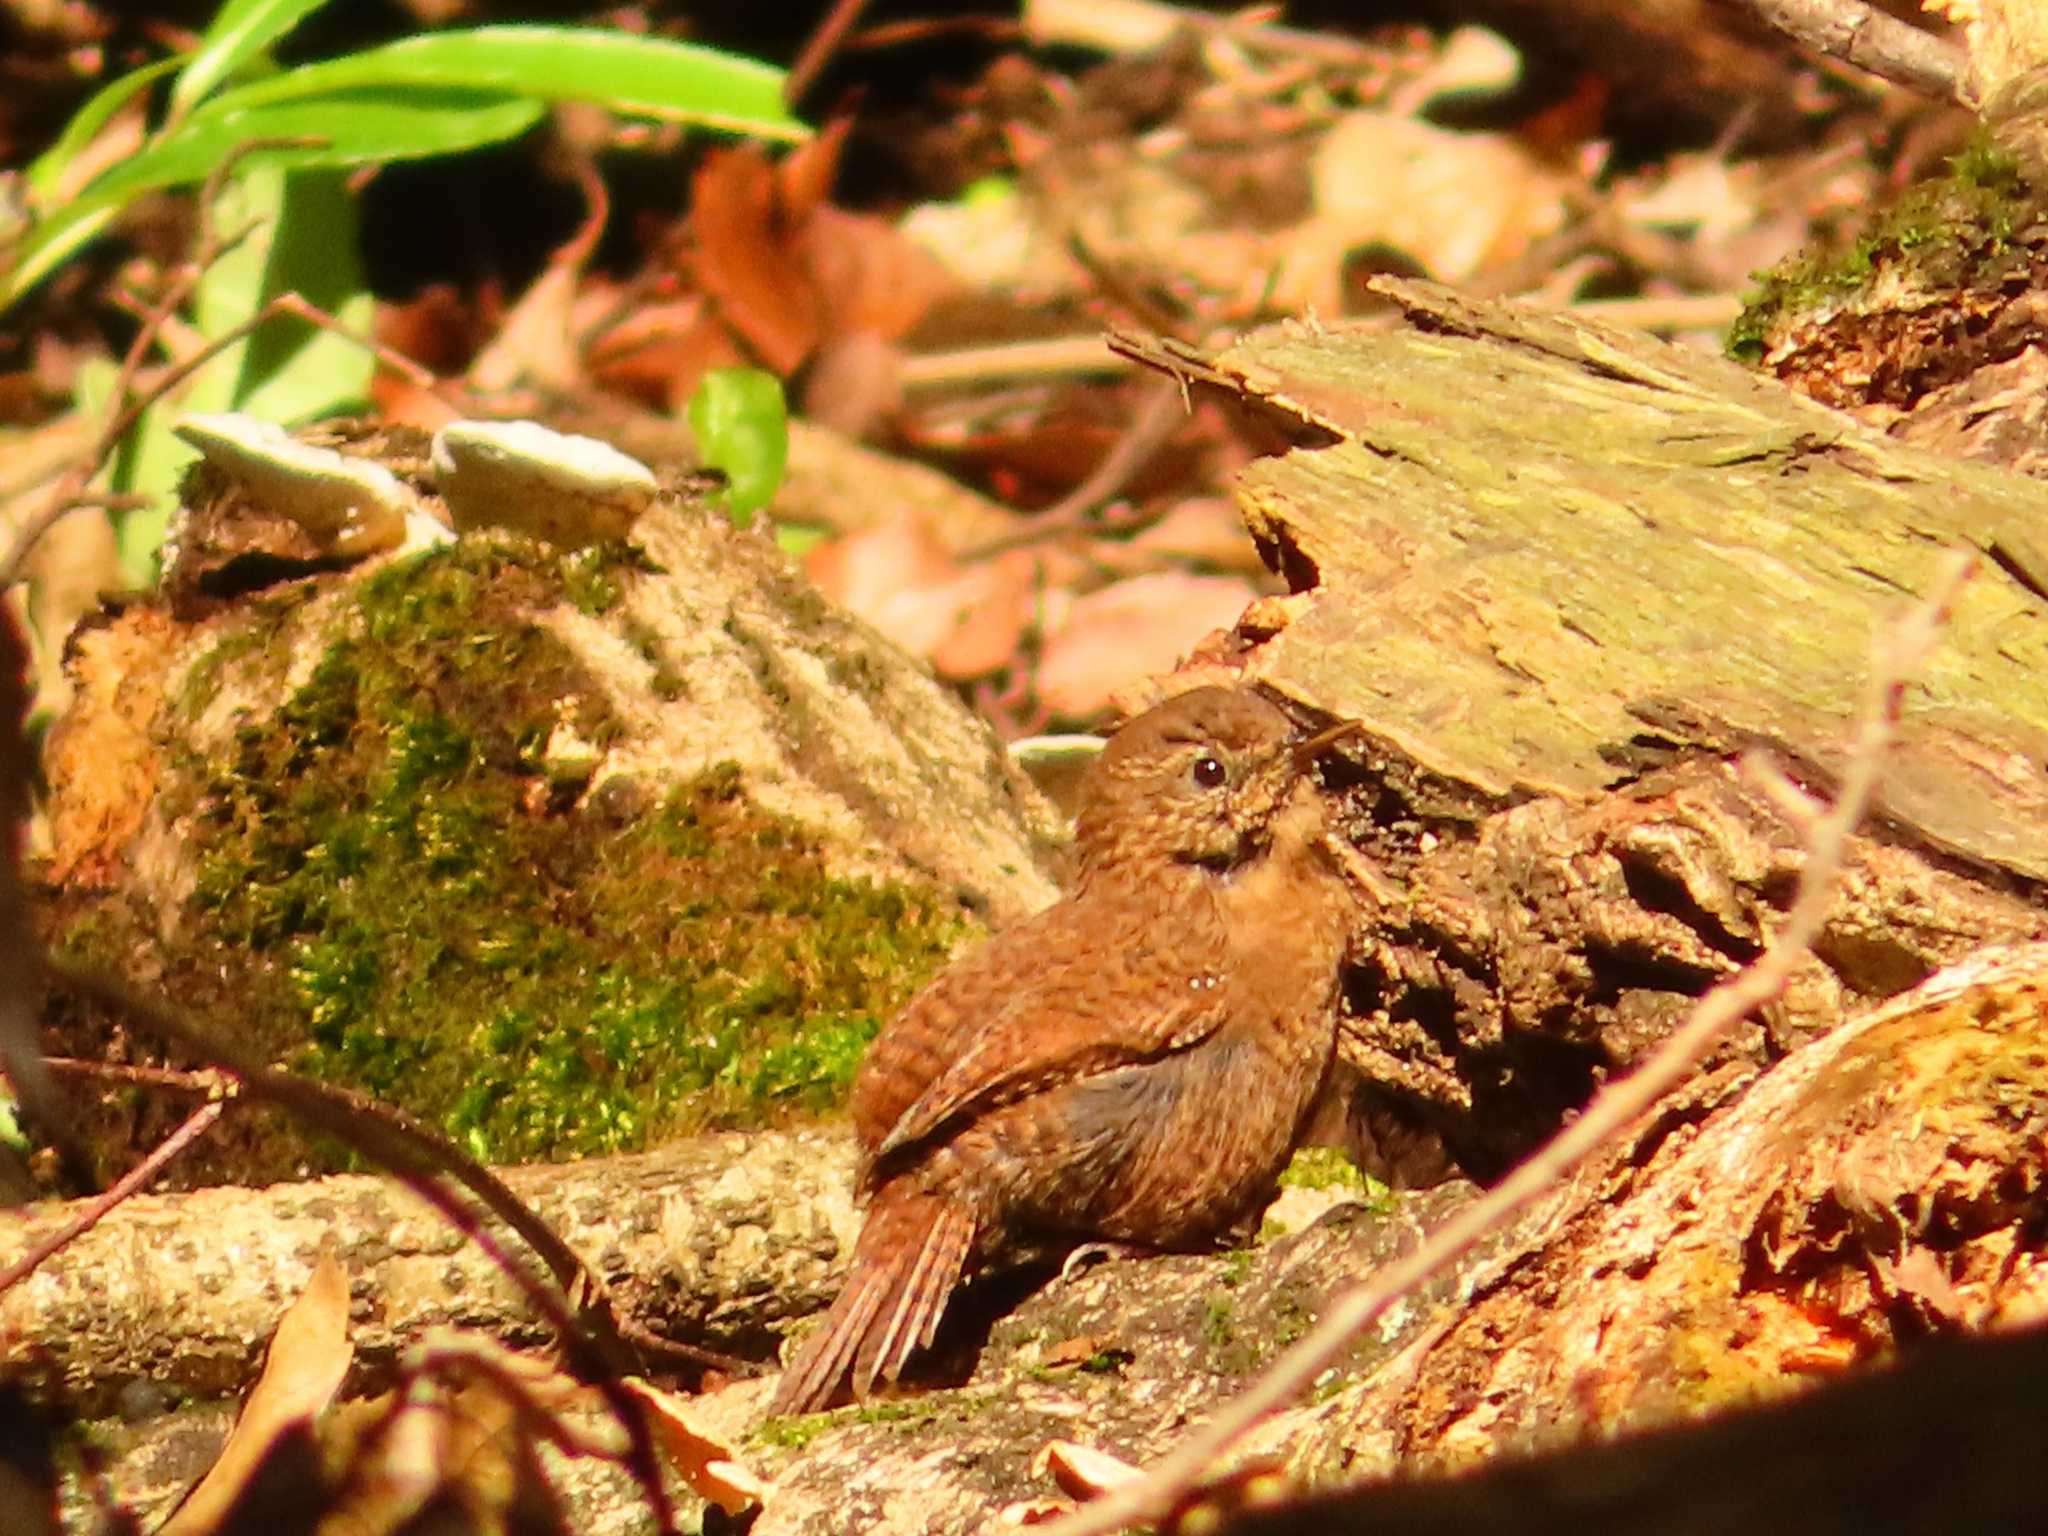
x,y
1135,1063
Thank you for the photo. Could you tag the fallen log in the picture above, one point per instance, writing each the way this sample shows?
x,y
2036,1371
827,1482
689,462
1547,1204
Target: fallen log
x,y
713,1241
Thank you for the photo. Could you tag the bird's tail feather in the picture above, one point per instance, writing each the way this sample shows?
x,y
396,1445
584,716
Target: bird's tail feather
x,y
912,1252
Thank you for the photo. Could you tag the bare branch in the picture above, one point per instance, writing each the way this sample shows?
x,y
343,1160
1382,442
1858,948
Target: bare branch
x,y
1878,44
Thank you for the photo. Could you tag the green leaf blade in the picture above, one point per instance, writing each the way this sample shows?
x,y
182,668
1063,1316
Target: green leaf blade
x,y
638,76
360,127
239,30
88,120
342,129
741,422
54,242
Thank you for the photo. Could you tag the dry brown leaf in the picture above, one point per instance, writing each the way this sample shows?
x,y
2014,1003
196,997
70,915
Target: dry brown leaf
x,y
461,1432
704,1463
803,179
966,620
747,260
1456,203
536,342
309,1356
1208,529
661,350
1705,195
1081,1471
533,345
1074,1351
869,277
1034,1512
1130,630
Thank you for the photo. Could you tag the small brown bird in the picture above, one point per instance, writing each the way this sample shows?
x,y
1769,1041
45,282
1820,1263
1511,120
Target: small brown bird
x,y
1135,1063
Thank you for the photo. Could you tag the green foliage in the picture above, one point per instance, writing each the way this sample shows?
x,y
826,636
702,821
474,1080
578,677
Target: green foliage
x,y
433,94
1326,1168
792,1432
1219,1324
795,1431
741,424
391,907
287,136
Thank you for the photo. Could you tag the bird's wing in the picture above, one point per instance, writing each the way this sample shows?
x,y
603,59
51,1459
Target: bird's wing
x,y
1049,1001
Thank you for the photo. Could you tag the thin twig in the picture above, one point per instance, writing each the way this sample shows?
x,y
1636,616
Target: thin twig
x,y
205,1080
385,1135
1158,413
1898,655
140,1177
461,1358
1052,357
37,527
895,34
416,374
1875,43
824,42
396,1141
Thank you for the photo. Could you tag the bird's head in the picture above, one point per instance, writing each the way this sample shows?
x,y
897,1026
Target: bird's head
x,y
1197,780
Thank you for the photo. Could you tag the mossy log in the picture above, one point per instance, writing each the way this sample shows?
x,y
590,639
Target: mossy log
x,y
564,852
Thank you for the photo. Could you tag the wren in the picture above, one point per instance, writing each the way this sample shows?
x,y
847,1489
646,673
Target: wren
x,y
1133,1064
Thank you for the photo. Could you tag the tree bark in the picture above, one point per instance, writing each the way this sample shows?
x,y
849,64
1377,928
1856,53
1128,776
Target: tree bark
x,y
1564,576
715,1241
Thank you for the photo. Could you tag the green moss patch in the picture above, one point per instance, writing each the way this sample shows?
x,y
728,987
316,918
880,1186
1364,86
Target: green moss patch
x,y
1901,308
395,896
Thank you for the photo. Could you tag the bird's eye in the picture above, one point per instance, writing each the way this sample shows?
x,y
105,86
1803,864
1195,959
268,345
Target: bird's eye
x,y
1209,772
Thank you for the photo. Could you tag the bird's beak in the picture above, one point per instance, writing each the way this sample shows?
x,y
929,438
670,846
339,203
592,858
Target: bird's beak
x,y
1305,752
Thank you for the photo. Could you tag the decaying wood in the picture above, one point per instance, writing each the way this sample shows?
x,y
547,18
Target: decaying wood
x,y
1881,1183
1868,38
1563,575
1944,1442
1541,556
1752,1236
1877,1185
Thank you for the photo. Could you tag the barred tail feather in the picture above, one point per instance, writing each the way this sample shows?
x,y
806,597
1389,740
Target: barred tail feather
x,y
920,1299
814,1376
911,1253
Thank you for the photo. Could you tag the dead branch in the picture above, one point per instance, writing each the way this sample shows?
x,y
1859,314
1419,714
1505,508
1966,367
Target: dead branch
x,y
1874,42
